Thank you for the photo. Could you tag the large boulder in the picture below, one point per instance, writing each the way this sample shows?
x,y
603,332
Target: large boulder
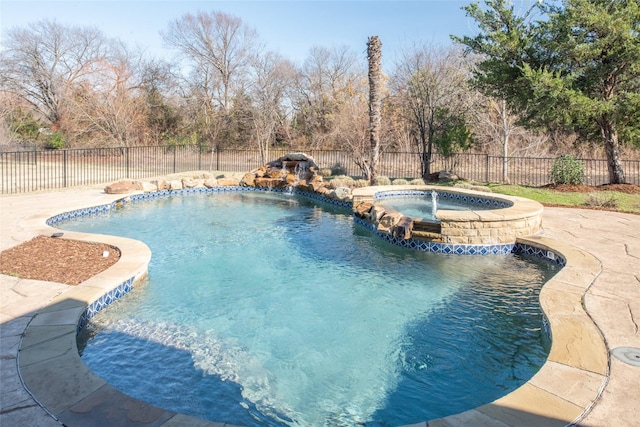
x,y
403,228
228,181
192,183
210,182
161,184
363,210
149,187
248,180
341,193
123,187
175,184
388,221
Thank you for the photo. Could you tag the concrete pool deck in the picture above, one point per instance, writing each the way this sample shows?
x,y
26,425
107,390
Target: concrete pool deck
x,y
607,250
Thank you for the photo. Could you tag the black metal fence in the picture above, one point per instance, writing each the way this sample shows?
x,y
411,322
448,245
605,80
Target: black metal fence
x,y
33,170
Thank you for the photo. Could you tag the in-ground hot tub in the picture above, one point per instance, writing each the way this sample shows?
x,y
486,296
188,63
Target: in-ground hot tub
x,y
478,219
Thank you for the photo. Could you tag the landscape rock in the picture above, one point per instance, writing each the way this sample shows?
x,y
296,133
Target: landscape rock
x,y
363,210
161,184
248,180
403,228
341,193
123,187
388,221
192,183
210,182
149,187
446,176
376,213
228,182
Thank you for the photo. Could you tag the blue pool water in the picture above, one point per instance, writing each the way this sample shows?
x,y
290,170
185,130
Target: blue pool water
x,y
267,309
422,206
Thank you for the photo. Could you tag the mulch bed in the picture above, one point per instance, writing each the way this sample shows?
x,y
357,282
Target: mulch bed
x,y
54,259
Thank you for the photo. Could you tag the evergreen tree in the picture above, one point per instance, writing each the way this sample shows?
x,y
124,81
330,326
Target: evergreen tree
x,y
578,66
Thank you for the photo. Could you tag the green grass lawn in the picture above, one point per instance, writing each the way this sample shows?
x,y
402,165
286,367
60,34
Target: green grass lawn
x,y
610,200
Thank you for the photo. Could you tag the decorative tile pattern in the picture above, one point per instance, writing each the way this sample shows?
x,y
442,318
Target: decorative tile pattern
x,y
102,302
548,255
444,248
57,219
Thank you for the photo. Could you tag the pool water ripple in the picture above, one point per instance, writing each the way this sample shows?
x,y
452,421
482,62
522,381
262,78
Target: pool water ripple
x,y
265,309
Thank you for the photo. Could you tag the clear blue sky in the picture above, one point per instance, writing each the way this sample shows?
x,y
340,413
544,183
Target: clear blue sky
x,y
288,27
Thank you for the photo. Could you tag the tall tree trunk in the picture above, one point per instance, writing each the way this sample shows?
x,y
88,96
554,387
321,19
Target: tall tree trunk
x,y
374,55
505,142
612,148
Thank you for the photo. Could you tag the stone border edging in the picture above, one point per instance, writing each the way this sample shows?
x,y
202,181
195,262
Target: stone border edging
x,y
48,361
512,217
54,374
578,354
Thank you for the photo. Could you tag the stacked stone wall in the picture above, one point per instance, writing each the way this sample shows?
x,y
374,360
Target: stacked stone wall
x,y
519,218
484,231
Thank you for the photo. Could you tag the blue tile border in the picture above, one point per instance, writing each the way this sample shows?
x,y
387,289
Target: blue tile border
x,y
54,220
415,244
105,300
420,245
441,248
464,249
545,254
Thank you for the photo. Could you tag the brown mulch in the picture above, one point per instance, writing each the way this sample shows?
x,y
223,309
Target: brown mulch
x,y
55,259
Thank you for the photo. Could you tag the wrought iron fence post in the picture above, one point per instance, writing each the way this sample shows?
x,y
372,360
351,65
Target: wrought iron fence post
x,y
217,158
486,168
126,161
64,168
174,159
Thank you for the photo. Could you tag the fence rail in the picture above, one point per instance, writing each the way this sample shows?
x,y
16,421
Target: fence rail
x,y
25,171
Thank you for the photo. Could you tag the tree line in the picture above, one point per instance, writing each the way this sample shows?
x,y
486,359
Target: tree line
x,y
542,80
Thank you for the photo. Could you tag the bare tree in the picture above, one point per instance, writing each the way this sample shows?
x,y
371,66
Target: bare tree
x,y
430,84
325,80
43,62
496,129
374,56
271,77
163,113
109,105
351,127
214,42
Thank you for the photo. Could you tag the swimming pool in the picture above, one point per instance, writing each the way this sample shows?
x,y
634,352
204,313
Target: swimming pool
x,y
264,309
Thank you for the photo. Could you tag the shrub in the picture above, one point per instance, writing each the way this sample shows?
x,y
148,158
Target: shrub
x,y
400,181
602,200
342,181
360,183
326,172
381,180
417,181
338,169
55,141
567,170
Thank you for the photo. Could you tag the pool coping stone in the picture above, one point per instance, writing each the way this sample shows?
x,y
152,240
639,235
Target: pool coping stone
x,y
551,397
